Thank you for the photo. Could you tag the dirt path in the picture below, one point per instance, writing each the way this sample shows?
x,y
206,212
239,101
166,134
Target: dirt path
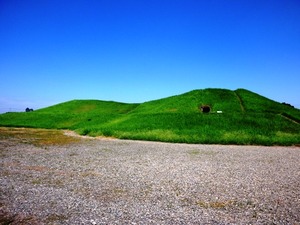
x,y
240,101
290,119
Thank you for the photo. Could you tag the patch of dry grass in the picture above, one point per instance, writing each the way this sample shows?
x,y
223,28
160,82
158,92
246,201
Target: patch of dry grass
x,y
39,137
215,204
54,218
13,219
195,152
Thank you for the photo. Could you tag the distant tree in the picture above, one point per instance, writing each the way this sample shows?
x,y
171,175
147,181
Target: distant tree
x,y
284,103
28,110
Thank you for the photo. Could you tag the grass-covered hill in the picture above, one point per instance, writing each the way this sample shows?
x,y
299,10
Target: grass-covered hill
x,y
246,118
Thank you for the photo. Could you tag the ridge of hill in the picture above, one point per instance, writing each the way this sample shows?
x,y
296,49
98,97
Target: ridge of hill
x,y
217,99
246,118
89,106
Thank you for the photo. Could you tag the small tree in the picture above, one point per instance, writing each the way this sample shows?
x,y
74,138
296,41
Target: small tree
x,y
28,110
284,103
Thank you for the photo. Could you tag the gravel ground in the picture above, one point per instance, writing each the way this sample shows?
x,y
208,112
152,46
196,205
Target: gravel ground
x,y
106,181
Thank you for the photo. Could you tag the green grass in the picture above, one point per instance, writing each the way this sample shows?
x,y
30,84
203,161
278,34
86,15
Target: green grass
x,y
247,119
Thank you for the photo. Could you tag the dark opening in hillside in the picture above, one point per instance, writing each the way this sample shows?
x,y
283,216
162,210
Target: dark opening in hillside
x,y
205,108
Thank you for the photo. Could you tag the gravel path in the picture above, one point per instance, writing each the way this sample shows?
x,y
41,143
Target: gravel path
x,y
102,181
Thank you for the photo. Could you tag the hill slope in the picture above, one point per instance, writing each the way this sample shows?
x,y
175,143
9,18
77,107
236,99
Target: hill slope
x,y
89,106
247,118
218,99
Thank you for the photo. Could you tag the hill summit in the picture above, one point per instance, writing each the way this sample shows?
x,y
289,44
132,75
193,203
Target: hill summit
x,y
234,117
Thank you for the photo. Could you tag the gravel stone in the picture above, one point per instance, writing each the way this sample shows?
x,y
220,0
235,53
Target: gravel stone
x,y
109,181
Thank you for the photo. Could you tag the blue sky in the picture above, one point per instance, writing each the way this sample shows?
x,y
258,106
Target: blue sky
x,y
53,51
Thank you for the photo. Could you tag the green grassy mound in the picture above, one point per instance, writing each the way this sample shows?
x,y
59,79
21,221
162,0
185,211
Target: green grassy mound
x,y
246,118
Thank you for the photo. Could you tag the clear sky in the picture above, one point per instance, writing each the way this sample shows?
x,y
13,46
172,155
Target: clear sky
x,y
53,51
